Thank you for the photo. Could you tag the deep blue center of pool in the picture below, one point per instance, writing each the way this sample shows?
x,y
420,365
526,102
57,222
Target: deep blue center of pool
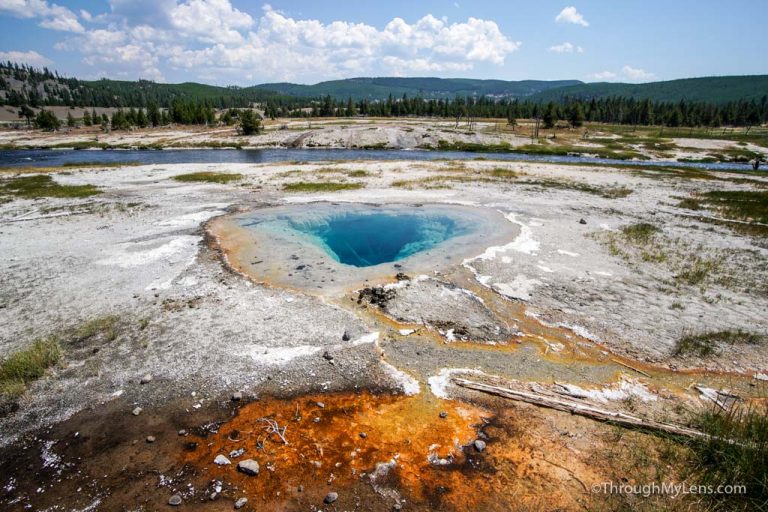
x,y
367,239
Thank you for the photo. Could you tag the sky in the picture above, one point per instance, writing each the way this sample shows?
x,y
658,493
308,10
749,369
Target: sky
x,y
239,42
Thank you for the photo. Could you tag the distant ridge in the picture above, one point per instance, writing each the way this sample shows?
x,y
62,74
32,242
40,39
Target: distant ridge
x,y
711,89
427,87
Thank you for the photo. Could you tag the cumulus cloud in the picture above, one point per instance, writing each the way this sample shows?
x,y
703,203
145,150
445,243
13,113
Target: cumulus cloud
x,y
31,57
52,16
637,74
627,72
571,15
211,38
603,75
566,48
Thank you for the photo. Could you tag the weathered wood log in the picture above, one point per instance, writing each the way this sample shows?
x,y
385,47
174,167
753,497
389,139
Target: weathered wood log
x,y
581,409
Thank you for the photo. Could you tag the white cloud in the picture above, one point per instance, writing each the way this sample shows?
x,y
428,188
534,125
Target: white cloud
x,y
571,15
31,57
566,48
211,38
603,75
52,16
637,74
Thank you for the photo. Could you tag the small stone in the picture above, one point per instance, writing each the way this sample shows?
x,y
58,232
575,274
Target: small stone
x,y
146,379
300,488
582,221
237,453
330,498
316,420
182,432
174,500
327,356
237,396
137,411
241,503
345,336
321,405
397,506
221,460
363,435
249,466
443,414
151,439
479,445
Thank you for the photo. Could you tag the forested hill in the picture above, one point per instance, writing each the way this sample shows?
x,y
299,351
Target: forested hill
x,y
23,85
434,88
714,89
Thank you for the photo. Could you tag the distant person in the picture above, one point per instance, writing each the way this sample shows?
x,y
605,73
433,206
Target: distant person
x,y
756,164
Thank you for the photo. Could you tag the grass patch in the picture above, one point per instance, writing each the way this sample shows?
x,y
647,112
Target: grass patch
x,y
502,173
21,368
640,233
66,167
208,177
358,173
744,211
735,454
607,192
32,187
706,343
322,186
105,326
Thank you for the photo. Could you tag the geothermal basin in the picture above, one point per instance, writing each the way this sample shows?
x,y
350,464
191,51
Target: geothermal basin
x,y
325,247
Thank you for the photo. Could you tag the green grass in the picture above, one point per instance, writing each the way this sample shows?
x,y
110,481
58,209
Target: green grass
x,y
21,368
208,177
322,186
359,173
502,173
744,211
36,186
607,192
706,343
615,151
640,233
105,326
736,453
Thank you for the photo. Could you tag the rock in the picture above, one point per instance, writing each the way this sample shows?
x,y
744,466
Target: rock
x,y
237,453
240,503
582,221
327,356
146,379
221,460
237,396
321,405
137,411
316,420
443,414
182,432
363,435
330,498
346,336
400,276
300,488
479,445
397,506
249,466
175,500
151,439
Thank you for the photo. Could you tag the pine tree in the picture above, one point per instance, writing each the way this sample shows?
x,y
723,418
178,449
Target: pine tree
x,y
71,120
87,118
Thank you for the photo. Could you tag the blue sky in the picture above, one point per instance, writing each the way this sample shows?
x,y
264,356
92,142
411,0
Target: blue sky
x,y
240,42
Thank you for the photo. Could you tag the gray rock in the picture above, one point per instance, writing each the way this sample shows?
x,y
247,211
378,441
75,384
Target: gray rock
x,y
175,500
237,396
151,439
582,221
330,498
327,356
345,336
137,411
443,414
182,432
249,466
321,405
241,503
146,379
221,460
479,445
363,435
237,453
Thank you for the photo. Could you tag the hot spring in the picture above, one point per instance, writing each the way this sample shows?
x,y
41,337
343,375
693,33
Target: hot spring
x,y
329,245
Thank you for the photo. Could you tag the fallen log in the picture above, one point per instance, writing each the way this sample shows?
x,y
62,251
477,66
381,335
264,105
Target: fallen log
x,y
581,409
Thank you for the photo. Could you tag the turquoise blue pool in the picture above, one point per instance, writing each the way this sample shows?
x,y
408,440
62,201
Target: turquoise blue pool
x,y
364,238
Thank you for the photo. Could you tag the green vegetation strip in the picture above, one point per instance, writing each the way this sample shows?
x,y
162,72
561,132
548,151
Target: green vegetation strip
x,y
704,344
28,365
36,186
323,186
208,177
